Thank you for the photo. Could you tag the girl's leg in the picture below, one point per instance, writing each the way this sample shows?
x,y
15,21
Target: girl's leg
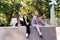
x,y
38,29
27,32
42,22
28,29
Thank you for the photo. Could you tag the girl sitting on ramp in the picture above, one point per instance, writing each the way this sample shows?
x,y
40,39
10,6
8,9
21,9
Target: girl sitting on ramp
x,y
35,22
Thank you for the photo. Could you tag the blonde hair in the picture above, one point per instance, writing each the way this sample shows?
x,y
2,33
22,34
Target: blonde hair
x,y
35,11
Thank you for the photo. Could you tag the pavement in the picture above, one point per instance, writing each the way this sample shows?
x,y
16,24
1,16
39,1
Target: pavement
x,y
49,33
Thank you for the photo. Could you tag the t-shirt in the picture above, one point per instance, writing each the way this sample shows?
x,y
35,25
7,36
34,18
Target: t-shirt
x,y
33,20
25,22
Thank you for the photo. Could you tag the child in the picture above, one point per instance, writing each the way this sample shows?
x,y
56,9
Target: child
x,y
26,22
36,20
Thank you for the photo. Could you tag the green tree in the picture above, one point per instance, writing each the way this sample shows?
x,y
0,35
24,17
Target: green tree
x,y
8,7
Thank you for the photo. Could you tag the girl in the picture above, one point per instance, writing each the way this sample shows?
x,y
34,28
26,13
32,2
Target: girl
x,y
26,22
35,22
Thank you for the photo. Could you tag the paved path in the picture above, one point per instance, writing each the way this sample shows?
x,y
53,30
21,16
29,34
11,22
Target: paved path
x,y
49,33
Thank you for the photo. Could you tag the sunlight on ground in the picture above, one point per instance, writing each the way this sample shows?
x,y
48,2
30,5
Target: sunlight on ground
x,y
58,33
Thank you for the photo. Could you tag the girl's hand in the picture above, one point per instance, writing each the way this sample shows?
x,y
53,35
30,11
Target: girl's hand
x,y
27,23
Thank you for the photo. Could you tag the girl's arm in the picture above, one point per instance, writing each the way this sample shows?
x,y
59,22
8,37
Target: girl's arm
x,y
37,21
27,23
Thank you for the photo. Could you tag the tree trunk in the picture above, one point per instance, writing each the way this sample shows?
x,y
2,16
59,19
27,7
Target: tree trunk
x,y
9,19
18,19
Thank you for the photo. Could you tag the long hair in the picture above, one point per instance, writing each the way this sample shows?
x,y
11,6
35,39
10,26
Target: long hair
x,y
24,18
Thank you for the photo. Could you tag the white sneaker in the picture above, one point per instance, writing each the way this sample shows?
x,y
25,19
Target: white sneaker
x,y
27,35
40,34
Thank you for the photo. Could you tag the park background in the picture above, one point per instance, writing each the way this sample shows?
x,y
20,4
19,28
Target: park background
x,y
8,12
8,9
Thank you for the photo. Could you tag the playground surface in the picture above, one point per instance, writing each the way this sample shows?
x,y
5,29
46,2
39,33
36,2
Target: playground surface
x,y
18,33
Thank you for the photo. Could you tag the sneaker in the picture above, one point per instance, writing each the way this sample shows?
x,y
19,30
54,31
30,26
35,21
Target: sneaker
x,y
40,35
27,35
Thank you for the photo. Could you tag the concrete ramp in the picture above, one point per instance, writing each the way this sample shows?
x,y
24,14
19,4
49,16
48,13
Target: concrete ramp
x,y
49,33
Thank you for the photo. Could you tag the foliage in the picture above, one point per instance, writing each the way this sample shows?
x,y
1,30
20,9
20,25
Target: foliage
x,y
8,9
